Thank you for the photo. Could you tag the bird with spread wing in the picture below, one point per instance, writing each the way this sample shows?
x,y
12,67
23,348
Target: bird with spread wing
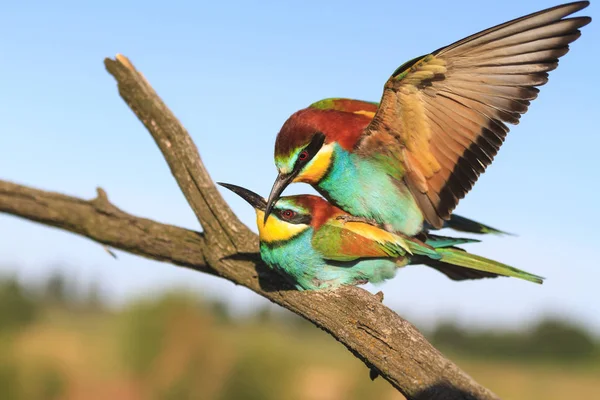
x,y
406,162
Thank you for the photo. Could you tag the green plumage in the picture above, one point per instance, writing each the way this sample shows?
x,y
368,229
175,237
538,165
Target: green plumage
x,y
464,259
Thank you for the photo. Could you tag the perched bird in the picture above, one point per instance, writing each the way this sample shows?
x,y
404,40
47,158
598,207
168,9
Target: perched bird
x,y
368,109
316,246
440,122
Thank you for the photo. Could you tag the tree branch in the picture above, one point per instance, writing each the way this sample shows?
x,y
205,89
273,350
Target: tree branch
x,y
384,341
104,223
217,219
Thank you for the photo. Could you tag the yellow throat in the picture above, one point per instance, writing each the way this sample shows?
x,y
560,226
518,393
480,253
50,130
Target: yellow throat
x,y
275,230
316,168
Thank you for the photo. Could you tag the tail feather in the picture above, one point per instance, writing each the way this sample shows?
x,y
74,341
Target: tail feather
x,y
463,224
463,259
437,241
454,272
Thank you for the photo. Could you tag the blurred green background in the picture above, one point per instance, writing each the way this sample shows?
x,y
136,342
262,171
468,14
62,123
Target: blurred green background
x,y
59,340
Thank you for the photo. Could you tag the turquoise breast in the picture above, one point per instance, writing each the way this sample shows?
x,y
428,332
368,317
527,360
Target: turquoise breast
x,y
306,269
362,188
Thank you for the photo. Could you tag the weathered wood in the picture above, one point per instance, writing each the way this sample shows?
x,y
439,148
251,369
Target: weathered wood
x,y
104,223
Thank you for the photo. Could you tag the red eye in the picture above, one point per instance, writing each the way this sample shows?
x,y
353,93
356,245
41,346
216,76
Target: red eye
x,y
303,156
287,214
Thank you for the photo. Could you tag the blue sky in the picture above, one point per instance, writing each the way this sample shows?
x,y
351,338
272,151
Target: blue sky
x,y
233,72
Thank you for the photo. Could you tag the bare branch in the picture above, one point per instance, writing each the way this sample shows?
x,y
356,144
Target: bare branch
x,y
104,223
386,343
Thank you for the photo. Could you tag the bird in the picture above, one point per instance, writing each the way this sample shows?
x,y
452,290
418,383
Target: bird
x,y
368,109
315,246
405,162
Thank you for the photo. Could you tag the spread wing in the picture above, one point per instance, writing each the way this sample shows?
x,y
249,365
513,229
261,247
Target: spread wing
x,y
346,241
442,116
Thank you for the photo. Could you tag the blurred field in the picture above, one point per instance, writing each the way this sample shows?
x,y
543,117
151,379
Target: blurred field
x,y
176,346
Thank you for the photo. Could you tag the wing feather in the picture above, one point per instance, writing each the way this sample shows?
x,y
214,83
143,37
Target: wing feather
x,y
442,116
526,23
346,241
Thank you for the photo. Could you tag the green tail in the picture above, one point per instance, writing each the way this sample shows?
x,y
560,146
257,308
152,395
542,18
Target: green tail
x,y
426,246
472,261
418,248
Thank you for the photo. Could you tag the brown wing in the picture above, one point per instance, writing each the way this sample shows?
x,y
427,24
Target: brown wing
x,y
442,117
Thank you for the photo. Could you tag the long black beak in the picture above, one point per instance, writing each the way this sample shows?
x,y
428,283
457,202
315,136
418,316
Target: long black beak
x,y
282,181
252,198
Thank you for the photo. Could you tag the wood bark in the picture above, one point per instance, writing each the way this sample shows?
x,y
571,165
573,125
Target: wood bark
x,y
389,345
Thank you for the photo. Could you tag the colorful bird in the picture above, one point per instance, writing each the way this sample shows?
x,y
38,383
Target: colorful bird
x,y
316,245
440,122
368,109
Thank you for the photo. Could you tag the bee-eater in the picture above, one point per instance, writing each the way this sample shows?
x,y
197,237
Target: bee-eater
x,y
314,245
368,109
439,124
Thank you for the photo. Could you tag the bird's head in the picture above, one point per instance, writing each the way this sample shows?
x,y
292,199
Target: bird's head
x,y
291,215
304,146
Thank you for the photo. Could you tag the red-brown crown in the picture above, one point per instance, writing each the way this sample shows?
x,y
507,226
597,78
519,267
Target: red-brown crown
x,y
319,208
340,120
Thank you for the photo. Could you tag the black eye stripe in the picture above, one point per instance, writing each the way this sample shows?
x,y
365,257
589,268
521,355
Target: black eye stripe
x,y
312,149
296,219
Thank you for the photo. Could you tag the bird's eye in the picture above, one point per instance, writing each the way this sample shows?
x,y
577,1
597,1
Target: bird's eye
x,y
303,155
288,214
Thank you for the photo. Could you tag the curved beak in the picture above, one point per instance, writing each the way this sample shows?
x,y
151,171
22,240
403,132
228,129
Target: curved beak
x,y
252,198
282,181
